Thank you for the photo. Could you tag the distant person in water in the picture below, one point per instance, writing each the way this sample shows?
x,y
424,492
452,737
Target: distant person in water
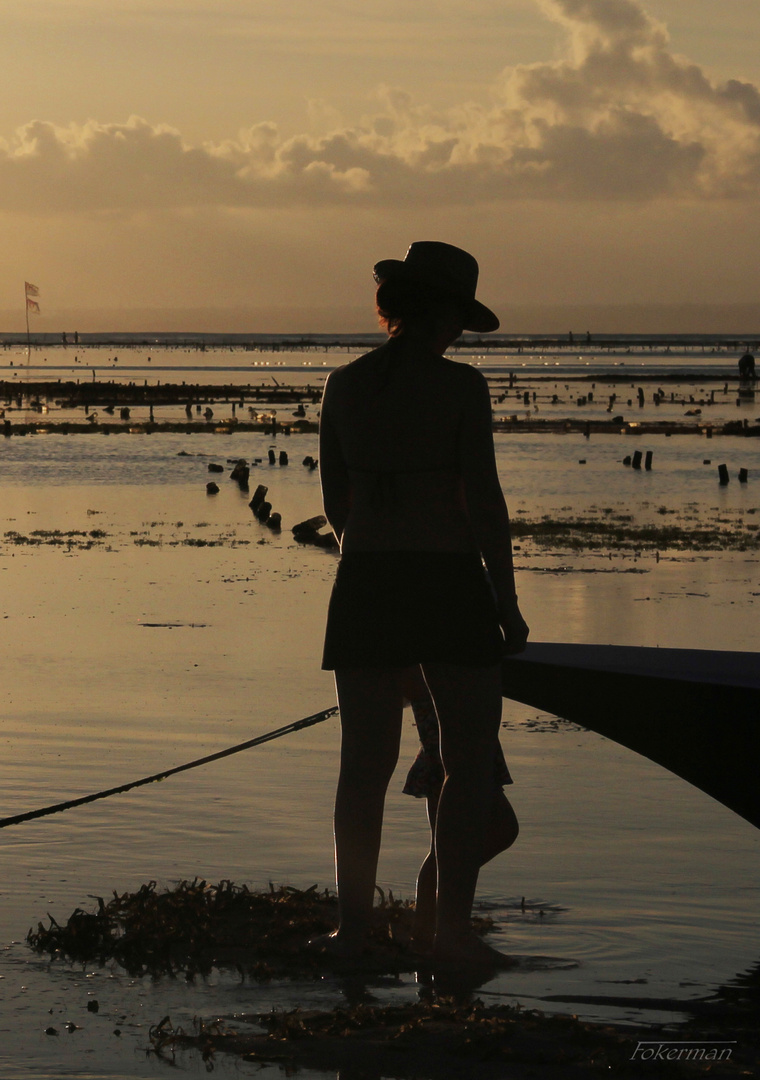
x,y
747,366
411,490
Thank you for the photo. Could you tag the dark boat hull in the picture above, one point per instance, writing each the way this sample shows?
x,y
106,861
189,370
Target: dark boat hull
x,y
695,712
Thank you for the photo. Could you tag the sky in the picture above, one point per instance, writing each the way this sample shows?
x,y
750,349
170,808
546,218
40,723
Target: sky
x,y
240,165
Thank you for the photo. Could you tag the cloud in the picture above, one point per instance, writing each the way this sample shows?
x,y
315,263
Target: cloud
x,y
619,116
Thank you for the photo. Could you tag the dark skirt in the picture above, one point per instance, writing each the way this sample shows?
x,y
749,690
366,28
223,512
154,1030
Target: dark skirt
x,y
399,608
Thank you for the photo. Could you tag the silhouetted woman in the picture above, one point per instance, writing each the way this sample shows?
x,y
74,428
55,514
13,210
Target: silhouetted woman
x,y
410,487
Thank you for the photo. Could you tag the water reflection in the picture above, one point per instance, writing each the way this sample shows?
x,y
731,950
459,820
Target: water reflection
x,y
656,883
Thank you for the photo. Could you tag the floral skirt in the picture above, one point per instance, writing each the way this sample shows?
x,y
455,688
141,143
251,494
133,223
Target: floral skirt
x,y
425,778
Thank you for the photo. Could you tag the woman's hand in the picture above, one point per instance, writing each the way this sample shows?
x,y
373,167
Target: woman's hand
x,y
515,628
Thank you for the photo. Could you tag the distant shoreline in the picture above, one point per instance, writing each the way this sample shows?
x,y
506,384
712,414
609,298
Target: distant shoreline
x,y
620,373
326,342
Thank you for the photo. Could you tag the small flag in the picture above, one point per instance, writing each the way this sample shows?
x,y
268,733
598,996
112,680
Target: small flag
x,y
33,306
31,290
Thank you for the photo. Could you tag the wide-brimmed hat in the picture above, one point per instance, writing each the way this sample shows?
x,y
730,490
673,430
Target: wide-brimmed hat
x,y
445,269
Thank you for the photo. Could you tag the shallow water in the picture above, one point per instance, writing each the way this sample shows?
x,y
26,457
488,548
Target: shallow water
x,y
648,887
699,387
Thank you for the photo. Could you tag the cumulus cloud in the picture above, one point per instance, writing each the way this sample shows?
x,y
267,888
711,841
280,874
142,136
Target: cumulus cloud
x,y
619,116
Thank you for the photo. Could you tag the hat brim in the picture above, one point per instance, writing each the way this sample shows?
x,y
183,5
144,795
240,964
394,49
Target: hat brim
x,y
478,318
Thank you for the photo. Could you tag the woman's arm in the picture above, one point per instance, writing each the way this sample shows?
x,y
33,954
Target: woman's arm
x,y
336,491
488,509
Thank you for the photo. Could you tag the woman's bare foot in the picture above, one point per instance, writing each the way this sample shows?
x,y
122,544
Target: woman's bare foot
x,y
467,950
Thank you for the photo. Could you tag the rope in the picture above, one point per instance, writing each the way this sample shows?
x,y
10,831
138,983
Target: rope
x,y
297,725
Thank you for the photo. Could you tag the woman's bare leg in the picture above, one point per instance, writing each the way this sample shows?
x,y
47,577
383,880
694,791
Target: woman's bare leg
x,y
502,829
468,703
423,930
370,703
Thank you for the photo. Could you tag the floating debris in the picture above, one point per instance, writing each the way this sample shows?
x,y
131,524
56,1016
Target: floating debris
x,y
72,538
441,1038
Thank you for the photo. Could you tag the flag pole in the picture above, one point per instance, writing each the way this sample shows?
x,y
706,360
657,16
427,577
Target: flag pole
x,y
28,336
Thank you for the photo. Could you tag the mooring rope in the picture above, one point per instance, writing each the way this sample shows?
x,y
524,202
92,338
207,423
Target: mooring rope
x,y
56,808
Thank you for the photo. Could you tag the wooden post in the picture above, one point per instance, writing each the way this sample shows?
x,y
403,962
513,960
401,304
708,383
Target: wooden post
x,y
723,475
648,461
258,497
636,462
240,473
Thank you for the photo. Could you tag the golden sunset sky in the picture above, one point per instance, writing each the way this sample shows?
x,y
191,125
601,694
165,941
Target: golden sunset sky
x,y
241,164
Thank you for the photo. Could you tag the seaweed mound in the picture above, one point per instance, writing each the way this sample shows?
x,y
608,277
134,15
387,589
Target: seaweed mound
x,y
196,926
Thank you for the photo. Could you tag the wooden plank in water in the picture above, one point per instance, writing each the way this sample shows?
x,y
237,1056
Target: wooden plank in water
x,y
695,712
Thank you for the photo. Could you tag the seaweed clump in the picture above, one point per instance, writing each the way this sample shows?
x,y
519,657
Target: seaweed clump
x,y
586,534
196,926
